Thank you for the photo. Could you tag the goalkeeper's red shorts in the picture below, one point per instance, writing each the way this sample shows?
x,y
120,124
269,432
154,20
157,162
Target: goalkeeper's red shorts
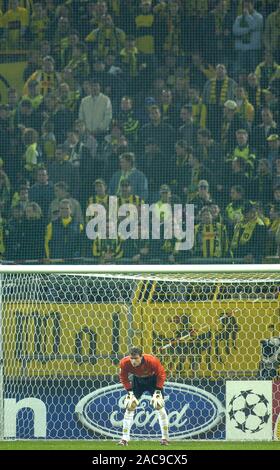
x,y
141,385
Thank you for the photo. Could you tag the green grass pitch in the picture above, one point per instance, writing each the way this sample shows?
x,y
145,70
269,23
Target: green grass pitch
x,y
137,445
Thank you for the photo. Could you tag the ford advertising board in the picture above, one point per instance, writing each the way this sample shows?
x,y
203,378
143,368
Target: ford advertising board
x,y
191,411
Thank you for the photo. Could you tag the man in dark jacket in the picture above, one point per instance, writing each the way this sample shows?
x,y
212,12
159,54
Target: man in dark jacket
x,y
42,191
63,236
62,170
160,132
249,236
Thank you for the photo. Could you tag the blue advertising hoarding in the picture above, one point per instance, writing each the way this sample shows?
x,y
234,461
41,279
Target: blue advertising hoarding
x,y
90,409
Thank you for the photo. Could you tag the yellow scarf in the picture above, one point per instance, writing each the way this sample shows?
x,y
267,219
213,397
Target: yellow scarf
x,y
224,132
101,247
108,41
104,200
245,154
173,39
66,221
124,176
275,226
234,210
38,27
72,99
48,82
243,233
196,112
242,110
213,92
130,58
195,177
132,199
210,240
219,21
76,62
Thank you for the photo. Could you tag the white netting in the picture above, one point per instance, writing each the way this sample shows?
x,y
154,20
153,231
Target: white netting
x,y
162,102
64,334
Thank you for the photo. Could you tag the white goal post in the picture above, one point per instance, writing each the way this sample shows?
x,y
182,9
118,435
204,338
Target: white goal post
x,y
63,330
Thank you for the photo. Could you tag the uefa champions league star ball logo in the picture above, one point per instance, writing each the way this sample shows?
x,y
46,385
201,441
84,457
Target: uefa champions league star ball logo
x,y
249,411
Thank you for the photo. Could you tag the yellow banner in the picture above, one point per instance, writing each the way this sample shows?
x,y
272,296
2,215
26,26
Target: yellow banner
x,y
11,76
219,338
198,339
68,340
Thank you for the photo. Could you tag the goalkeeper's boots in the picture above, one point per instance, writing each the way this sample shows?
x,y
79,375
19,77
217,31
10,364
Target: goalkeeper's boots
x,y
123,443
164,442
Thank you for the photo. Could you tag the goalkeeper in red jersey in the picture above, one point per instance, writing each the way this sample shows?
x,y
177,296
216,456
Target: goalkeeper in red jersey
x,y
148,375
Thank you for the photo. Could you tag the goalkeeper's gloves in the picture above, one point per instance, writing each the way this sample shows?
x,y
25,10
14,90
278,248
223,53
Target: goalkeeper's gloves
x,y
157,400
131,401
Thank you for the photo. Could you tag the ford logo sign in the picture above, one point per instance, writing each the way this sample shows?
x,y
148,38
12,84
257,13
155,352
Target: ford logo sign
x,y
191,411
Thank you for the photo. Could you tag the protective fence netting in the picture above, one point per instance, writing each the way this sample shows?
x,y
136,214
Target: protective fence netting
x,y
157,102
63,335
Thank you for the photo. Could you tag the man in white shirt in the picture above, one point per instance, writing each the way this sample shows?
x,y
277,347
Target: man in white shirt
x,y
96,110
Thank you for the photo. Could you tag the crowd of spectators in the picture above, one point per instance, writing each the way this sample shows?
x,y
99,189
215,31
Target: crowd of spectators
x,y
162,102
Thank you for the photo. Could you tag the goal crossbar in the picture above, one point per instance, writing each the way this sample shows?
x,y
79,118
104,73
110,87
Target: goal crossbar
x,y
137,269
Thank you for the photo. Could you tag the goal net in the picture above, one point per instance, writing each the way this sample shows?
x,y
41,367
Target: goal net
x,y
63,334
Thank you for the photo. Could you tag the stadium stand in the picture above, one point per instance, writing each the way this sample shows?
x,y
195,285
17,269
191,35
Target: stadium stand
x,y
157,102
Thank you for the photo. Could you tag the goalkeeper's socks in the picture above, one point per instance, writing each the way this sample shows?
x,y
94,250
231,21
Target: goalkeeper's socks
x,y
127,423
163,422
